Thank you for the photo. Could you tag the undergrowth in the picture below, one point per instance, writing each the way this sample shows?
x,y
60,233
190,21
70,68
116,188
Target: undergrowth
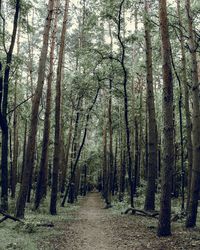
x,y
27,236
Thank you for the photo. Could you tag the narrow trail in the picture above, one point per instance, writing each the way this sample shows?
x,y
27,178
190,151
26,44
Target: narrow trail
x,y
93,232
96,228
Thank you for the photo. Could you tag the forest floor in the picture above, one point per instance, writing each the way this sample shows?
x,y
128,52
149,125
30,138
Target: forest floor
x,y
96,228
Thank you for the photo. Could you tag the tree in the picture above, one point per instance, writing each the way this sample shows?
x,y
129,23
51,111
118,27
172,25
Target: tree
x,y
152,128
30,151
164,225
195,178
3,113
56,159
41,187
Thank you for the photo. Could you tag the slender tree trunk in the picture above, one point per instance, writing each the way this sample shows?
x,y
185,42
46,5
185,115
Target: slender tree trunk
x,y
30,151
111,172
85,181
63,180
164,225
195,179
186,102
15,132
74,151
125,81
3,115
41,187
105,191
152,129
56,159
114,183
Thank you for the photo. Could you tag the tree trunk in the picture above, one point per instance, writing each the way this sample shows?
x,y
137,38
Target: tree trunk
x,y
41,187
125,81
186,102
63,180
3,115
30,151
164,225
15,132
152,129
111,172
56,159
195,179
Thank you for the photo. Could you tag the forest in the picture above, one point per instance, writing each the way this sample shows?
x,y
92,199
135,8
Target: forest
x,y
99,124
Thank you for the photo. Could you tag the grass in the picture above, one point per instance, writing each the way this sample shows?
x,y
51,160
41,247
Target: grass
x,y
15,235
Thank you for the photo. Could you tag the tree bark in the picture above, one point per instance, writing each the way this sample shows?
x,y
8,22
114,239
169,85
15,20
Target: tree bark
x,y
152,128
30,151
195,178
3,115
41,187
125,81
56,158
164,225
186,102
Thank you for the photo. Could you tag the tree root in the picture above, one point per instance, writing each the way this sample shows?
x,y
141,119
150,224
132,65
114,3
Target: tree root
x,y
154,214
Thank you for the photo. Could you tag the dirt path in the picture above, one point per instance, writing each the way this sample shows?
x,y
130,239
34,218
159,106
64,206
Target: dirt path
x,y
96,228
91,229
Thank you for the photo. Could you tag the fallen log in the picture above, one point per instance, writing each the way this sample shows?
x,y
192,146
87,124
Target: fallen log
x,y
8,216
152,214
2,219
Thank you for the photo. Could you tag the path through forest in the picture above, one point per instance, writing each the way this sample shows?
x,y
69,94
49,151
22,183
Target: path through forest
x,y
96,228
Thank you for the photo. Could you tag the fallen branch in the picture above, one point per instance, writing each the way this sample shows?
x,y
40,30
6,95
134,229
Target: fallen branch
x,y
50,224
2,219
152,214
8,216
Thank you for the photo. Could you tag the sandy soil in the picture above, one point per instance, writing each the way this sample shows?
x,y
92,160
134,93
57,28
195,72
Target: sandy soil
x,y
96,228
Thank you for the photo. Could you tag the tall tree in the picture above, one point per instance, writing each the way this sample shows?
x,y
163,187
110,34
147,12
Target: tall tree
x,y
30,151
152,128
195,178
126,107
13,170
3,113
43,168
186,100
56,157
164,225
